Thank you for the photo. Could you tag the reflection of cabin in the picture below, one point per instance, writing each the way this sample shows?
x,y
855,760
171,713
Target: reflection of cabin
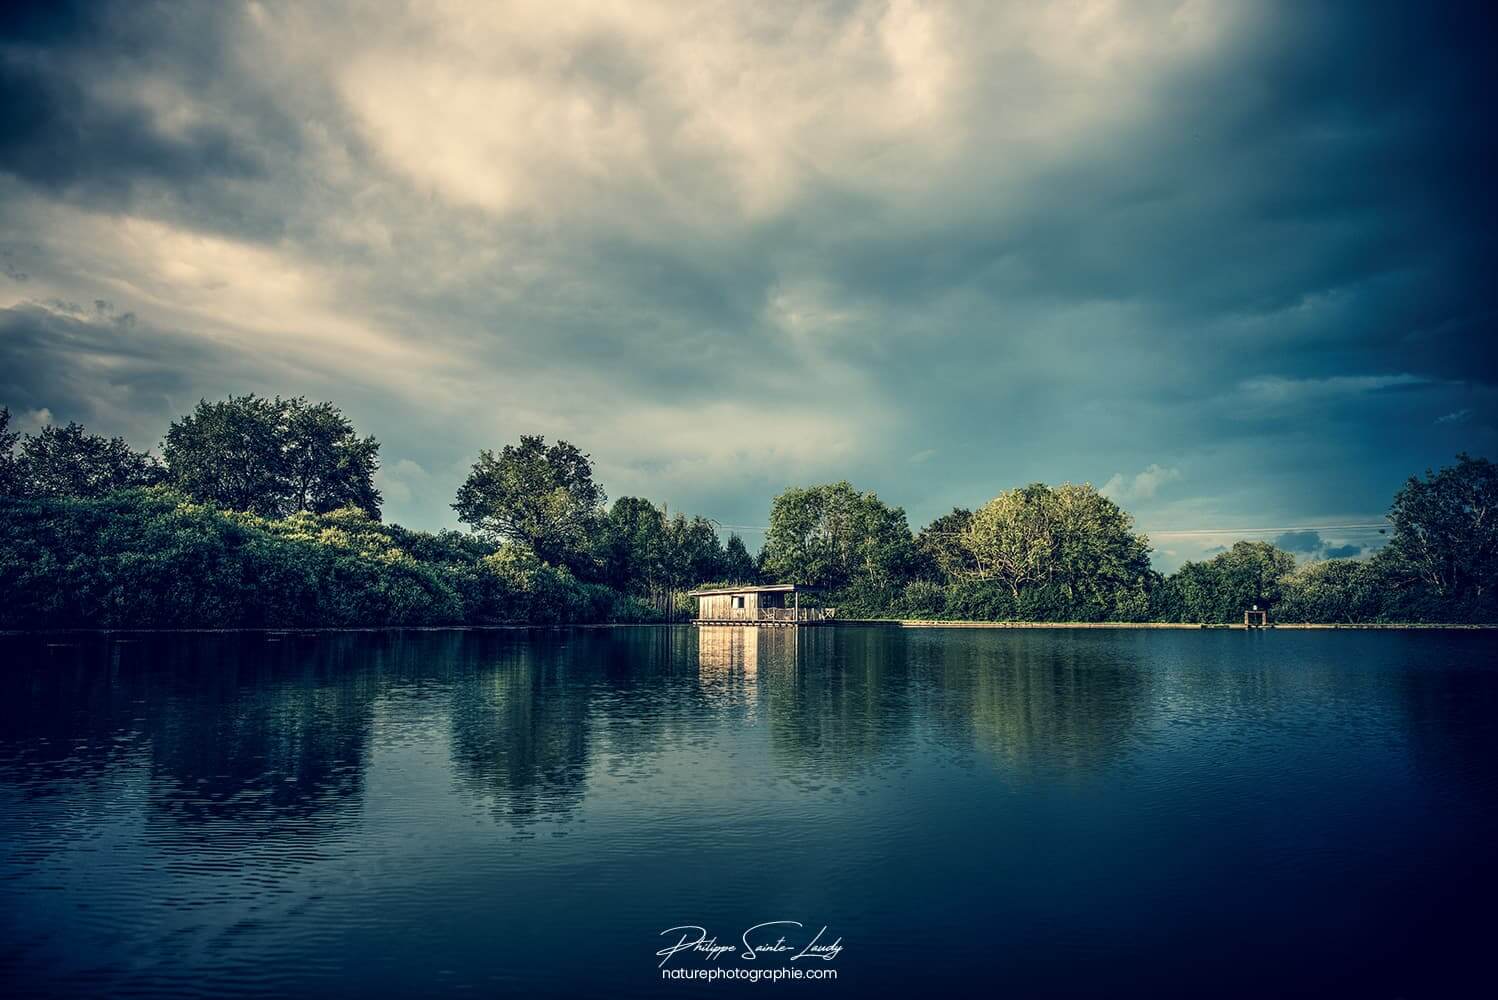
x,y
1254,618
730,656
723,650
762,604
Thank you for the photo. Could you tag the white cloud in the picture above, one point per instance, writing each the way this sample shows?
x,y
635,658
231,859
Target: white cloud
x,y
1140,486
730,246
32,421
726,112
403,482
1274,389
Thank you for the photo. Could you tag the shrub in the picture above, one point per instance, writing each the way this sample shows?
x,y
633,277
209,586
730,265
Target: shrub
x,y
151,558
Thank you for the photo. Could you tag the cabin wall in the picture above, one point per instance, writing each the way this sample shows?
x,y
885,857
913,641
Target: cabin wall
x,y
719,607
772,606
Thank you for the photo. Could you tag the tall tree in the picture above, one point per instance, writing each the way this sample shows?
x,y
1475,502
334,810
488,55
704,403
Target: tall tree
x,y
1070,536
833,535
1013,537
328,465
632,546
10,468
272,457
543,497
941,548
70,462
738,564
1231,582
1446,530
230,454
693,553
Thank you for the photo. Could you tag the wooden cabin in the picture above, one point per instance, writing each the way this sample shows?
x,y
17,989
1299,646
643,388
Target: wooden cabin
x,y
758,604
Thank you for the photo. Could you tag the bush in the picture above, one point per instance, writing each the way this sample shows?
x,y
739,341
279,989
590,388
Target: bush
x,y
151,558
923,599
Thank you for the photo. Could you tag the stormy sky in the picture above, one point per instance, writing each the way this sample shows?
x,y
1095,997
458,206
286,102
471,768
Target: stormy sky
x,y
1231,262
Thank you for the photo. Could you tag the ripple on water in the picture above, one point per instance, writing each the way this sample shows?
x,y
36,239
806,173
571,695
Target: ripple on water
x,y
434,812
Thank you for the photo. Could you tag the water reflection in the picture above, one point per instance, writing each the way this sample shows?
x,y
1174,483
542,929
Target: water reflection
x,y
238,813
847,708
279,729
262,731
733,659
521,730
1036,701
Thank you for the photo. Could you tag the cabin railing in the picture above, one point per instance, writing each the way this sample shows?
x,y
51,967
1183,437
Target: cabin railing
x,y
772,615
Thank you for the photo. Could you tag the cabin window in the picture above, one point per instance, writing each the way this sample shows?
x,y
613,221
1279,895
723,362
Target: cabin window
x,y
738,600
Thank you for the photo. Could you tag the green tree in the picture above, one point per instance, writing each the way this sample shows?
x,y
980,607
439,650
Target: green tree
x,y
10,467
738,565
943,553
70,462
632,546
1445,532
542,497
646,553
1231,582
272,457
1071,537
328,466
693,554
833,535
1012,538
229,454
1333,590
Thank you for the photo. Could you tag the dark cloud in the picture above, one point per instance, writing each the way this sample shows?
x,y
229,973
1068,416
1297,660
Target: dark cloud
x,y
106,370
1266,268
55,136
142,106
1301,542
1310,544
49,21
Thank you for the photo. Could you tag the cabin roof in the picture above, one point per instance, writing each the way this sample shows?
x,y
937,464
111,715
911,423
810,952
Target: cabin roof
x,y
755,588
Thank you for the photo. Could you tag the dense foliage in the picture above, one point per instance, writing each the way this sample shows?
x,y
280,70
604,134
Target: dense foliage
x,y
834,536
642,550
538,496
1249,575
70,462
1445,539
154,558
1070,541
265,512
1066,553
272,456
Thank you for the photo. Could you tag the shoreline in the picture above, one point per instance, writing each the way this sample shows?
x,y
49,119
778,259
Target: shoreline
x,y
913,623
1191,626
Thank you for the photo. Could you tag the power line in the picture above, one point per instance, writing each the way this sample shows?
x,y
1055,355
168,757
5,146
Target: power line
x,y
1181,532
1185,532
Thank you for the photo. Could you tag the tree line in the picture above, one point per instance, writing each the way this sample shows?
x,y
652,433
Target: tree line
x,y
1068,553
266,511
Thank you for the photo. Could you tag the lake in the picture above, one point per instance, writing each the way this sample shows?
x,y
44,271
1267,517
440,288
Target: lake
x,y
1011,813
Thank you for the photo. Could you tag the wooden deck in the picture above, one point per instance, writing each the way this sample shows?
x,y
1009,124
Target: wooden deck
x,y
768,616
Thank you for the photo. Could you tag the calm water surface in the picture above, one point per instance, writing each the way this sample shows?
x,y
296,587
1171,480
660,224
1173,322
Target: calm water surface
x,y
518,814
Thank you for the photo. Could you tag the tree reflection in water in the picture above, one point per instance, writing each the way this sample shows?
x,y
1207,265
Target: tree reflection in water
x,y
520,730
